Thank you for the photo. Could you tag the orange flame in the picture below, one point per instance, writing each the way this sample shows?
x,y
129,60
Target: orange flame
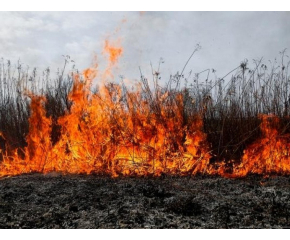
x,y
114,52
101,135
116,132
268,155
111,132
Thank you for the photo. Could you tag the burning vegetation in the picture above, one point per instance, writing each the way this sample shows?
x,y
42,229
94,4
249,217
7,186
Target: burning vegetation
x,y
208,127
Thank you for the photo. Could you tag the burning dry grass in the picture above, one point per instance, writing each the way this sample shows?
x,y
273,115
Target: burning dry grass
x,y
102,134
206,128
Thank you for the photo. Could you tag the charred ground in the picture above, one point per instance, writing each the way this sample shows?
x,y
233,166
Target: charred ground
x,y
73,201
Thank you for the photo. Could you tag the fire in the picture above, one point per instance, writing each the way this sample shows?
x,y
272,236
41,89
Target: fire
x,y
268,155
116,132
114,52
113,131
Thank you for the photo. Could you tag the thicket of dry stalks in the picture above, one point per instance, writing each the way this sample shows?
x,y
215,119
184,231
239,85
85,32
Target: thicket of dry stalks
x,y
229,106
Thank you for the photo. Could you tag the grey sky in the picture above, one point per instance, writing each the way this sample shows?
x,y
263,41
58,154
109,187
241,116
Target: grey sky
x,y
39,39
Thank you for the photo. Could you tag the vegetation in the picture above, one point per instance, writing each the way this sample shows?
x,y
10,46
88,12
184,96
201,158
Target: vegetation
x,y
230,106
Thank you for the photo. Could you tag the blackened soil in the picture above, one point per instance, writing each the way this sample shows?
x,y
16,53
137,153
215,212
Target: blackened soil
x,y
56,201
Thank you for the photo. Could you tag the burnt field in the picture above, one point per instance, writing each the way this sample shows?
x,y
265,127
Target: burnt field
x,y
75,201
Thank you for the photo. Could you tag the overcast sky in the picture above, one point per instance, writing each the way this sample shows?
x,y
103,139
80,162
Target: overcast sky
x,y
39,39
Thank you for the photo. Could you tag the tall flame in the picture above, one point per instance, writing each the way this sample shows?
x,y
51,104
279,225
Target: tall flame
x,y
112,132
119,132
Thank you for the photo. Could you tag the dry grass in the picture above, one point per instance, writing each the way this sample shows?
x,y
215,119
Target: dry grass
x,y
230,106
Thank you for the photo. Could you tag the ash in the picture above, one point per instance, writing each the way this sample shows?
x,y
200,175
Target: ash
x,y
70,201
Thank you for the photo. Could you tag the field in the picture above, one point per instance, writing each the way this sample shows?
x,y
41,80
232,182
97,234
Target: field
x,y
56,201
195,152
